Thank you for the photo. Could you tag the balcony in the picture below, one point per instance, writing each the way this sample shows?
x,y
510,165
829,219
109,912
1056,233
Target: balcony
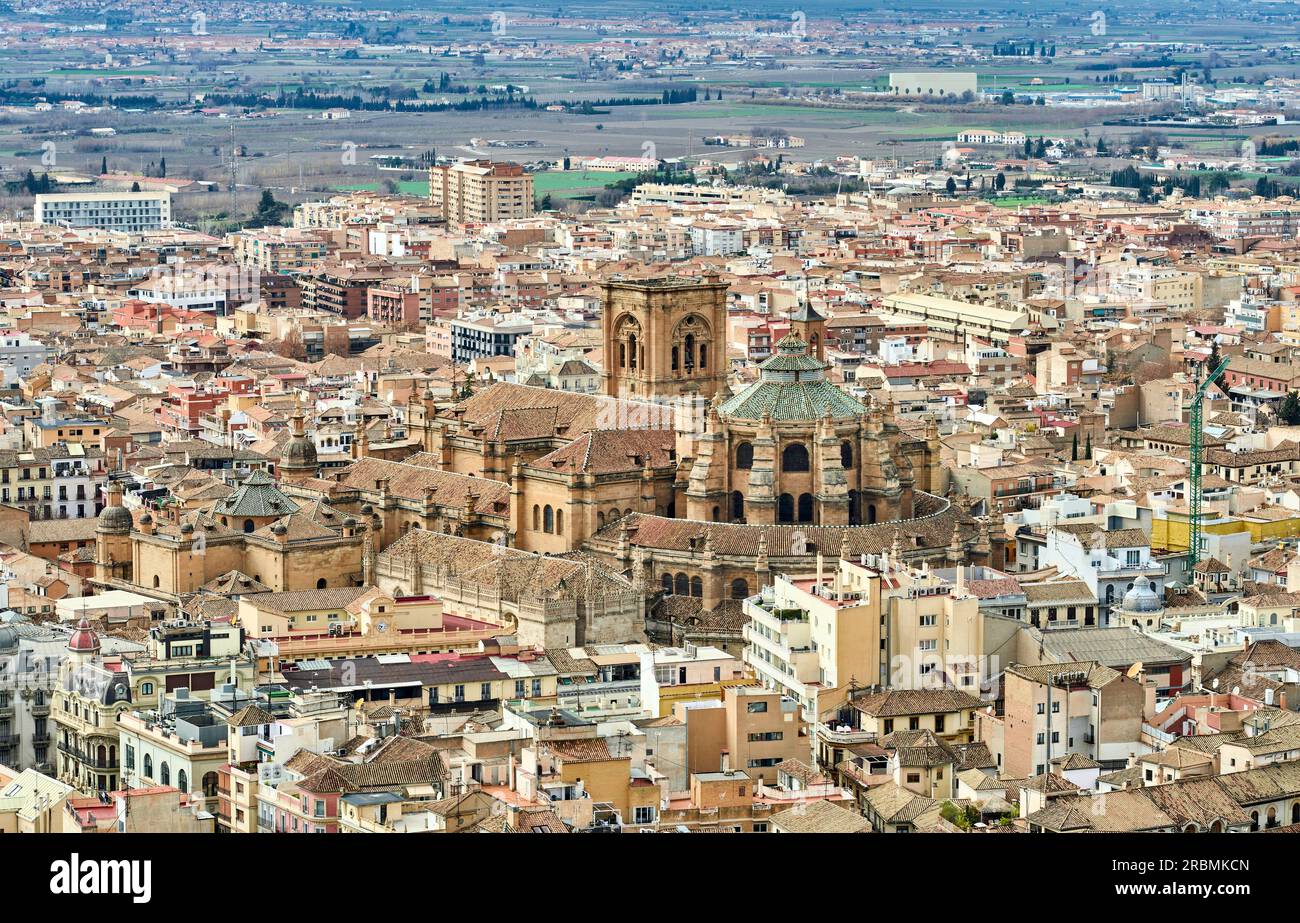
x,y
845,738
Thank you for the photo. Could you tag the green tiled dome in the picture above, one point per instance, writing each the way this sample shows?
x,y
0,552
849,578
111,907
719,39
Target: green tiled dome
x,y
792,385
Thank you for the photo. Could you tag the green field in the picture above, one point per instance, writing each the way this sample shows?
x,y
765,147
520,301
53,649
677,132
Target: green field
x,y
418,187
563,183
1018,201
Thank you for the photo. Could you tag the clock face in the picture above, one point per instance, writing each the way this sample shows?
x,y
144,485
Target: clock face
x,y
382,626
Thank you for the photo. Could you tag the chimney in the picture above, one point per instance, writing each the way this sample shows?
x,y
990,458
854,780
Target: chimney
x,y
725,761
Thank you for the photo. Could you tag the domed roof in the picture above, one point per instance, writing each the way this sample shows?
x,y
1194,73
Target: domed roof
x,y
84,640
1143,597
792,385
115,519
299,452
8,638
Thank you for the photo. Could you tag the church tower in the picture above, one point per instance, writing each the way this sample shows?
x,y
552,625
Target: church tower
x,y
665,338
809,326
298,461
113,551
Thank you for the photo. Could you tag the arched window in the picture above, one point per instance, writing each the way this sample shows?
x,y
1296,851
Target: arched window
x,y
559,522
704,357
600,520
321,583
210,785
182,780
846,454
785,508
615,515
666,581
165,774
812,347
717,511
157,581
682,585
871,513
697,587
739,588
1295,813
148,767
737,505
688,348
537,518
622,355
631,348
744,456
249,526
805,508
794,457
548,519
674,358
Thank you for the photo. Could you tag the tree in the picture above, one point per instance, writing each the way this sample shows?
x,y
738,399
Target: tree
x,y
103,165
1074,447
135,187
1000,182
1288,412
162,167
1087,449
951,186
1101,147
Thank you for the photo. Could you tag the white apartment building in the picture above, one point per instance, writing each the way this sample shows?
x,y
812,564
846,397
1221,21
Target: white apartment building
x,y
110,211
19,354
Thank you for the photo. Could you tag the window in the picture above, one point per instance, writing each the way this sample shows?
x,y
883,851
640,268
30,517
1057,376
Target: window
x,y
938,723
889,725
459,693
756,708
643,815
794,458
1056,708
484,691
1039,738
928,621
1041,708
913,778
914,723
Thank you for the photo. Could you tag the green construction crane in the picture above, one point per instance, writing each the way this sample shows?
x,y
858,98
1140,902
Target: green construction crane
x,y
1194,465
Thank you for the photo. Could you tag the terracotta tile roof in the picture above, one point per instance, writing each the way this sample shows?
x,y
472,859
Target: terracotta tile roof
x,y
900,702
820,817
410,481
612,451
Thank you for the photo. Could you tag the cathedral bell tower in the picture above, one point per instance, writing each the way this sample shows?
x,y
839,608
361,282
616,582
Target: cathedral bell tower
x,y
665,338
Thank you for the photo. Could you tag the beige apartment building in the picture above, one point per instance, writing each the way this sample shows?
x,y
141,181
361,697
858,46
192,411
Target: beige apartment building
x,y
858,625
754,729
480,191
1057,709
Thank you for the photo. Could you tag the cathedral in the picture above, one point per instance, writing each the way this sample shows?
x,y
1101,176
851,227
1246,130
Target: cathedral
x,y
668,478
